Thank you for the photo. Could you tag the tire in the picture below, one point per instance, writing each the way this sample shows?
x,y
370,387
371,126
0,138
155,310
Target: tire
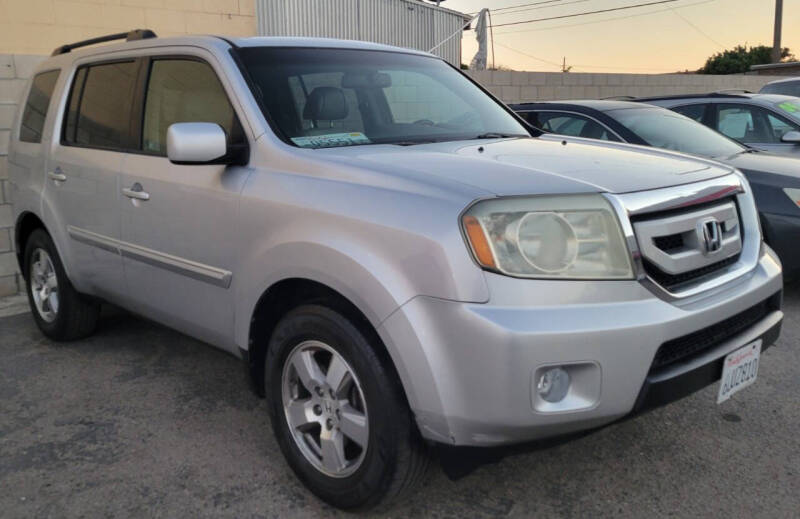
x,y
394,458
67,316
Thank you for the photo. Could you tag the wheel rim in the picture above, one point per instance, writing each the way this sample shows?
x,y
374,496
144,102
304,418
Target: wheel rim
x,y
325,409
44,285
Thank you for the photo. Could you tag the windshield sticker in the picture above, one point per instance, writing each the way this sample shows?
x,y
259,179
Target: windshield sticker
x,y
331,140
788,106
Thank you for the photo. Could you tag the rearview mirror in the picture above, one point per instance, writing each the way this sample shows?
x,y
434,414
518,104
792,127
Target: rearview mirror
x,y
791,137
200,143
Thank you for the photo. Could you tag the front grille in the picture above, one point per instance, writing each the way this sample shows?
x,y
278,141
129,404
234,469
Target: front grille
x,y
675,253
669,243
689,345
670,281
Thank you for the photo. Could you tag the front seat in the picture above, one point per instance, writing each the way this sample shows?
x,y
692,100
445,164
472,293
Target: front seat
x,y
325,104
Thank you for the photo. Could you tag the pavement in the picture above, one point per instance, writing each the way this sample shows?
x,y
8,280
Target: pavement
x,y
139,420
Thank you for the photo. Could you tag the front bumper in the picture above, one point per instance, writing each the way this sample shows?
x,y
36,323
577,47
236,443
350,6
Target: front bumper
x,y
470,369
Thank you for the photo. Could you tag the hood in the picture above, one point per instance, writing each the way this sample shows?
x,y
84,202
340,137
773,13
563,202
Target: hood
x,y
761,162
523,166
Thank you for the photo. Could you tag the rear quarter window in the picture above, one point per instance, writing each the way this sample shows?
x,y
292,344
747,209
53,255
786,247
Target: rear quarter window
x,y
35,111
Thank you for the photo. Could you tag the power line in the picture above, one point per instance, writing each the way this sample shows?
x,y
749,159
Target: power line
x,y
542,7
531,56
698,29
520,5
622,8
566,26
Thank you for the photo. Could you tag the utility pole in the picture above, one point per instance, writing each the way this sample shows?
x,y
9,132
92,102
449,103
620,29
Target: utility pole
x,y
776,42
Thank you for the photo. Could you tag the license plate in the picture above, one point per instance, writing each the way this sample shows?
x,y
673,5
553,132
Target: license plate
x,y
739,370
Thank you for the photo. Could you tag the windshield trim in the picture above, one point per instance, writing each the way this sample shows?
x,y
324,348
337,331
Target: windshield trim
x,y
236,50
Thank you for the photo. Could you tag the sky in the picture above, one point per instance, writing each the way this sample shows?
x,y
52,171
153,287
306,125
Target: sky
x,y
657,39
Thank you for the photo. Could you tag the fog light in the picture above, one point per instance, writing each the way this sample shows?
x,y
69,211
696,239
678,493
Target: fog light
x,y
553,385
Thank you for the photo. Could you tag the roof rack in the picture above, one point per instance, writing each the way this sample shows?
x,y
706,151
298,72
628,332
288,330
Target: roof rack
x,y
619,98
136,34
734,91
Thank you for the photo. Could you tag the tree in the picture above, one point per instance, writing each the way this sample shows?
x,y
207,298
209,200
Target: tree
x,y
739,59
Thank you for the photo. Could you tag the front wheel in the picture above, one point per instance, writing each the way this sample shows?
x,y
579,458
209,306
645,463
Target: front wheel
x,y
338,410
60,312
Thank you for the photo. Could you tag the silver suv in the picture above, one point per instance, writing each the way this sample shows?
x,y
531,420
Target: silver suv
x,y
399,259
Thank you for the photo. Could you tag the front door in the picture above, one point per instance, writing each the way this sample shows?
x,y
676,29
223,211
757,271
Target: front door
x,y
179,221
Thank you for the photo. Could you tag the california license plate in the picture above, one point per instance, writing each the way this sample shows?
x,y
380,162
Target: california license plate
x,y
739,370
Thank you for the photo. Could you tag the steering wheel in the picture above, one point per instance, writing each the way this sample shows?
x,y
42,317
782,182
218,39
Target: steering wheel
x,y
424,122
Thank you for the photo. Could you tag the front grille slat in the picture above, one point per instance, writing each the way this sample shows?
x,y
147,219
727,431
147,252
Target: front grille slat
x,y
670,281
683,348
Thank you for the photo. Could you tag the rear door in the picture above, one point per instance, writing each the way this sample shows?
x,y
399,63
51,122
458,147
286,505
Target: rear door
x,y
179,221
82,185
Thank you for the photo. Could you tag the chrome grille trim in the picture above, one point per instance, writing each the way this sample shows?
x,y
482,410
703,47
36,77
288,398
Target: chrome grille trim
x,y
692,255
733,186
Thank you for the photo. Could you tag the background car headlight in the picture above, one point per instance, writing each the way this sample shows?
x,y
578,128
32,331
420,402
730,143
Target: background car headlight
x,y
563,237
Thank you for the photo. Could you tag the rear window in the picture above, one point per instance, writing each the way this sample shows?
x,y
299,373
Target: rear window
x,y
100,107
35,111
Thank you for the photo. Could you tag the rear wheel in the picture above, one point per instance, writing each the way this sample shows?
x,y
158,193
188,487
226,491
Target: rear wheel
x,y
60,312
338,410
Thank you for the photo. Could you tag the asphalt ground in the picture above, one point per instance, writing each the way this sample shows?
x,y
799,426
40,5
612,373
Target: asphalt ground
x,y
141,421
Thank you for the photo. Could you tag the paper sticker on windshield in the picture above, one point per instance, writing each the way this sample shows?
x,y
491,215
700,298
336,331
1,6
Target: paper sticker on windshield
x,y
788,106
331,140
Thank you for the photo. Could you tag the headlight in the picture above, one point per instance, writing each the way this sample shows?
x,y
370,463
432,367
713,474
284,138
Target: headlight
x,y
561,237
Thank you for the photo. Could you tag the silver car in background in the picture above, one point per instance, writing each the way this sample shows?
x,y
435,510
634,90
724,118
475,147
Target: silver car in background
x,y
398,258
767,122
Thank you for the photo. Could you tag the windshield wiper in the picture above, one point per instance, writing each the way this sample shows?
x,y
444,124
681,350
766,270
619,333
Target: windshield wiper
x,y
498,135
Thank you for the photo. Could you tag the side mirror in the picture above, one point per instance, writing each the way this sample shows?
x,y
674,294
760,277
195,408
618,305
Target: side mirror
x,y
201,143
791,137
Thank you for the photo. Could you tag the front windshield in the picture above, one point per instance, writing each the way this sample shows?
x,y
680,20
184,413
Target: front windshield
x,y
787,88
666,129
321,98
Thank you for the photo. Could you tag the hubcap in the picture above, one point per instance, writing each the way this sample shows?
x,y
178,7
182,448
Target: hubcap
x,y
44,285
325,408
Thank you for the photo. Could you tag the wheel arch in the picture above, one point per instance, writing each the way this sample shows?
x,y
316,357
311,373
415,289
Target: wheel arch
x,y
26,223
289,293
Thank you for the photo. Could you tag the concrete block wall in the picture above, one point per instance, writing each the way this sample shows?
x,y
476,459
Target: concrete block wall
x,y
520,87
14,72
39,26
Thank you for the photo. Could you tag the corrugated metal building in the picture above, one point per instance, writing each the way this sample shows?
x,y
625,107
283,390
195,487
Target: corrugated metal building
x,y
405,23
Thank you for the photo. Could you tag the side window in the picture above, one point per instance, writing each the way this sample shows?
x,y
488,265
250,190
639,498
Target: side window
x,y
572,124
100,109
749,123
779,125
696,112
180,91
36,106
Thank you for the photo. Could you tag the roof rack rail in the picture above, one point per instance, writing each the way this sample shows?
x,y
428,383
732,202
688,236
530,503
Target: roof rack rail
x,y
619,98
136,34
734,91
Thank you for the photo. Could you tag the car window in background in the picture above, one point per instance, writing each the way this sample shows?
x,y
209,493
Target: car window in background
x,y
321,98
696,112
671,131
101,104
35,111
787,88
748,123
574,125
182,90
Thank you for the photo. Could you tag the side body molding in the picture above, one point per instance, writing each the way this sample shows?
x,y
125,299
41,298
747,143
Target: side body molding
x,y
185,267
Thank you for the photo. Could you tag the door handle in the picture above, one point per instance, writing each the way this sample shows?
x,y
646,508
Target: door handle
x,y
57,174
136,192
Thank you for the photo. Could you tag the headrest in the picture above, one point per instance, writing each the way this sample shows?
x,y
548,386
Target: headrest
x,y
325,104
